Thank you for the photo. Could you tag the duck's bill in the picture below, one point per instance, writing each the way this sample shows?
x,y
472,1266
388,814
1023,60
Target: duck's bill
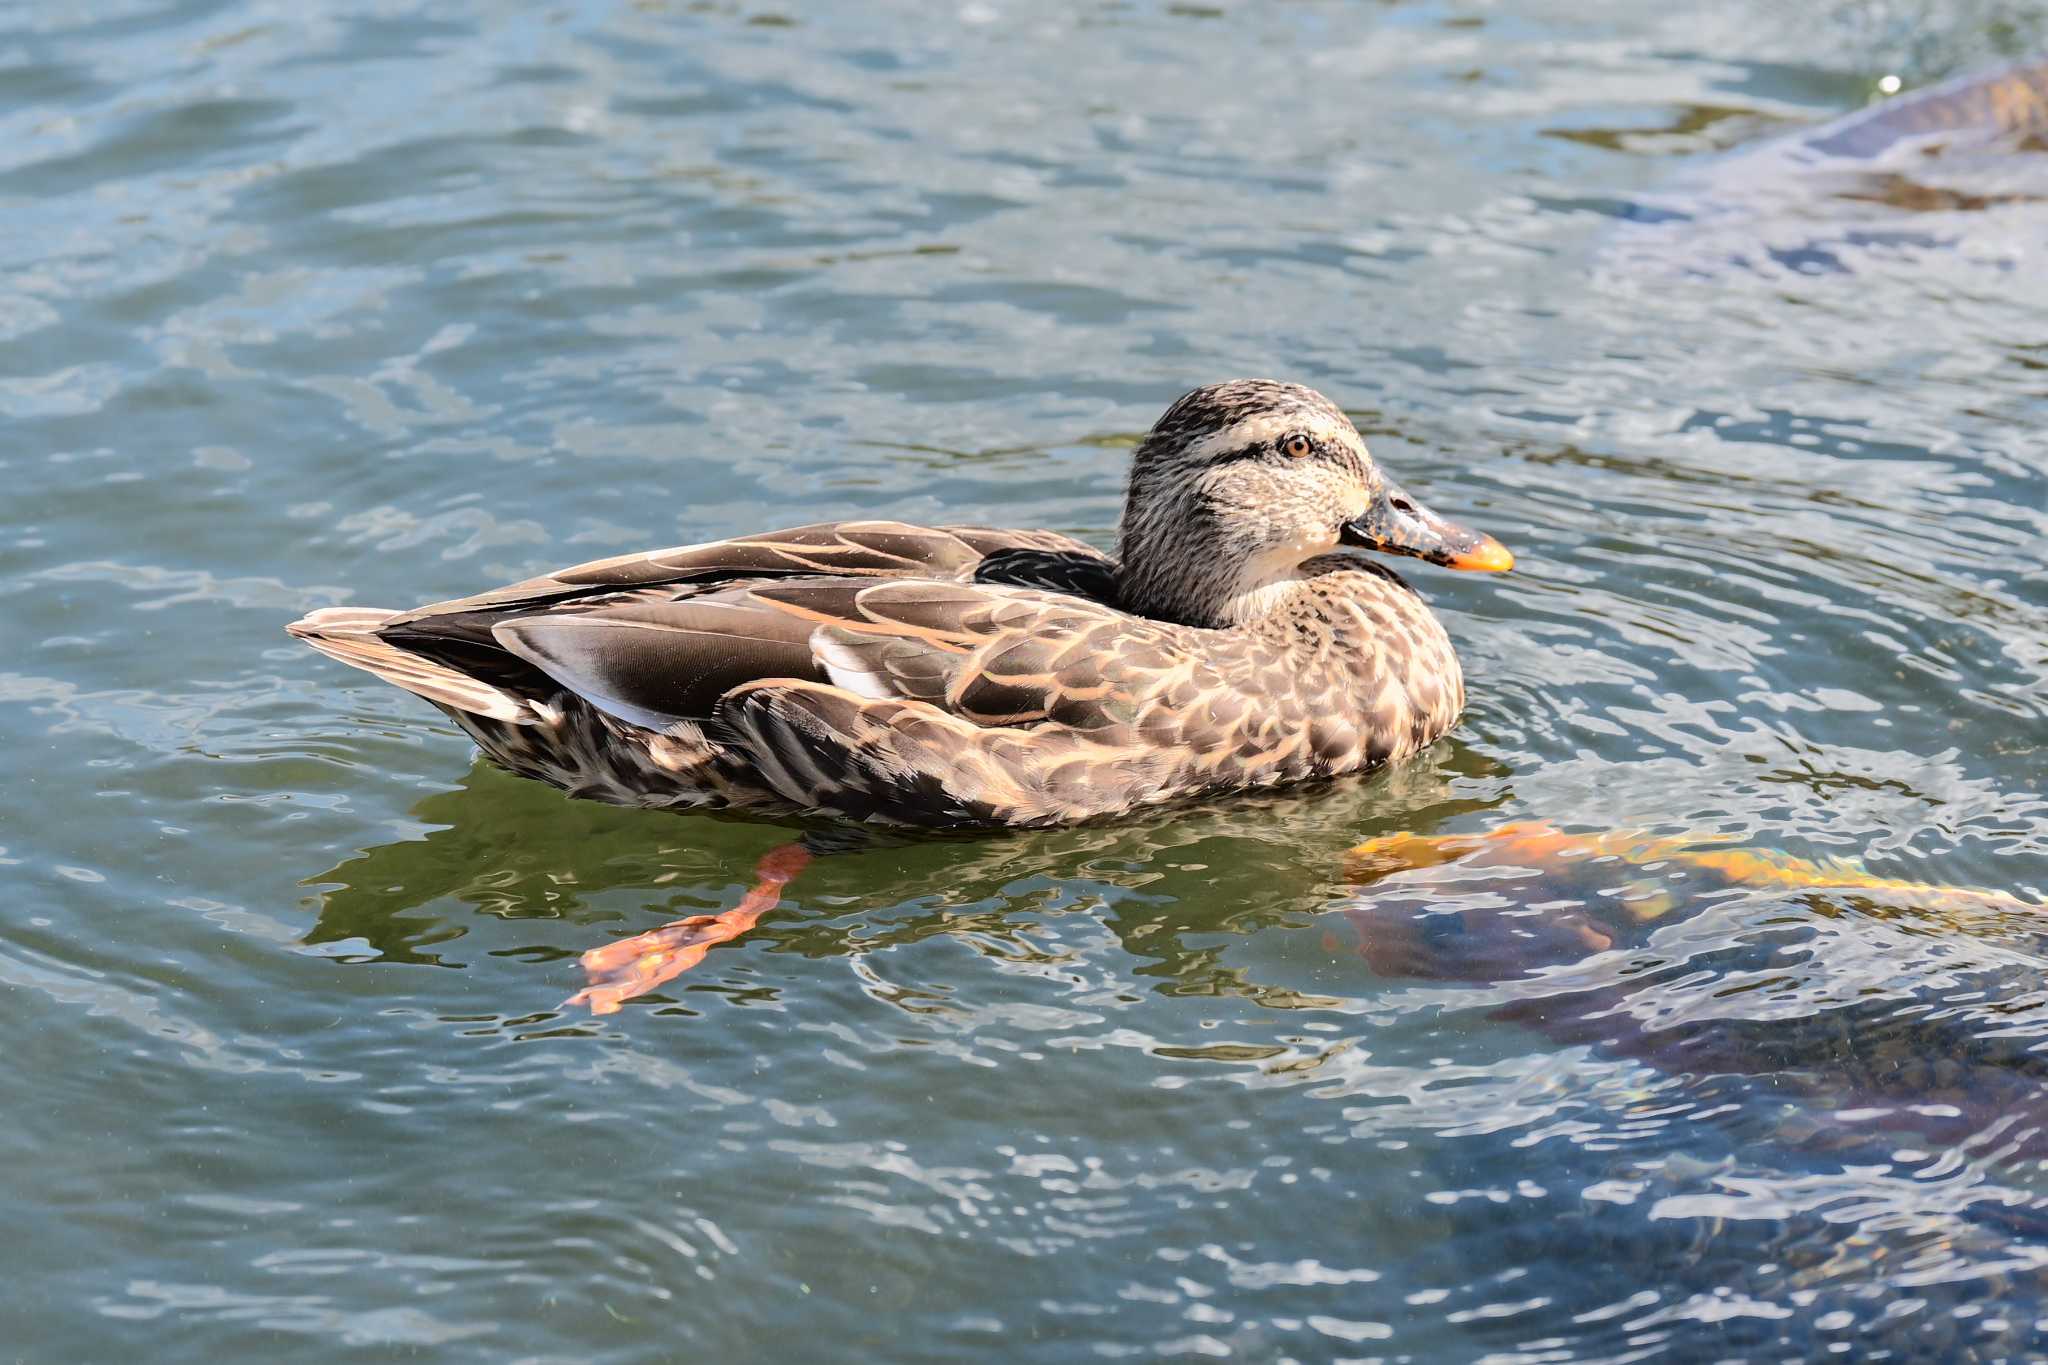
x,y
1397,524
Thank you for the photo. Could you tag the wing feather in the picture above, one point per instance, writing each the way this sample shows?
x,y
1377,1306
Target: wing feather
x,y
864,549
991,655
655,663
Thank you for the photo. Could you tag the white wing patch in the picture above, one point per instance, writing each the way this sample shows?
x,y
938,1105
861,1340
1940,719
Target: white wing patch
x,y
846,667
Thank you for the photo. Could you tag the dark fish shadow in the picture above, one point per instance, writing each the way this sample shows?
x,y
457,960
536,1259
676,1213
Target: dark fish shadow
x,y
1876,189
1917,1008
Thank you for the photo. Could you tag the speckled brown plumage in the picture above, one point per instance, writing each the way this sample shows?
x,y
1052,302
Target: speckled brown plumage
x,y
950,676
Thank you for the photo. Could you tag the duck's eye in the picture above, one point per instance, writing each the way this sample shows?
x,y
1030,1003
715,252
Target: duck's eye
x,y
1296,445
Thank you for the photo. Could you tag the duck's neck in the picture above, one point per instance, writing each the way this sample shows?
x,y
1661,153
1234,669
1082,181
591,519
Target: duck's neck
x,y
1354,597
1348,592
1219,604
1214,591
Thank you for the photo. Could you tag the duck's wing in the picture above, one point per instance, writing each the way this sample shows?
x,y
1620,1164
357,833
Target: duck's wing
x,y
855,549
1073,568
914,699
918,701
659,636
947,703
992,655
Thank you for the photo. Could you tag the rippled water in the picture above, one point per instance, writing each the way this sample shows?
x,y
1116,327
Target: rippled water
x,y
387,303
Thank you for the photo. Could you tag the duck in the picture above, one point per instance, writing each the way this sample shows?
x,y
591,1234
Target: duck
x,y
938,677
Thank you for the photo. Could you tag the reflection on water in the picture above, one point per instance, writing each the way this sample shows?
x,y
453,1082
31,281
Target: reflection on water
x,y
1264,861
381,305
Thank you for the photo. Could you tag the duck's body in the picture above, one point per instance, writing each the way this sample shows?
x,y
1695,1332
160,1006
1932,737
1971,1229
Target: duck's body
x,y
960,676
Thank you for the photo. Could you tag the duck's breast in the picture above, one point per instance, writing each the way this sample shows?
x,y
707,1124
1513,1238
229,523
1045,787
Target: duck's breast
x,y
1381,680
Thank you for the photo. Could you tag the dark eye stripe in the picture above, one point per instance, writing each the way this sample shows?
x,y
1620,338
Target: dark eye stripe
x,y
1238,456
1262,450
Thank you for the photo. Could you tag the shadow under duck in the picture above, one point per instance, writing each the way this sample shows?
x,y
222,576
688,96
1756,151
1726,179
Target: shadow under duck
x,y
965,676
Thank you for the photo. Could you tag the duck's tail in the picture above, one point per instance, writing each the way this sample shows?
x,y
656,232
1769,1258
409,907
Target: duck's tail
x,y
350,635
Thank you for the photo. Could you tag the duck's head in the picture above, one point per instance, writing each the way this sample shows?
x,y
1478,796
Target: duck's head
x,y
1239,484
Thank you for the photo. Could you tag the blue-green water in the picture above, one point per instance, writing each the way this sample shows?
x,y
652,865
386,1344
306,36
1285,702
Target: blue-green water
x,y
392,302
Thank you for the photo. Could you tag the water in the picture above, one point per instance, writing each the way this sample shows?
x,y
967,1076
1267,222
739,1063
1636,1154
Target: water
x,y
389,303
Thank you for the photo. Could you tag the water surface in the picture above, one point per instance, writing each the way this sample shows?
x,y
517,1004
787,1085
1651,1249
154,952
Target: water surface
x,y
387,303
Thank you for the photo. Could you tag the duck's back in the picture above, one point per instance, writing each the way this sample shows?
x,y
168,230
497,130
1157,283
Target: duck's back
x,y
850,549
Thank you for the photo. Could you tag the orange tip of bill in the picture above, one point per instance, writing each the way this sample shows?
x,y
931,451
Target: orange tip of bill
x,y
1488,556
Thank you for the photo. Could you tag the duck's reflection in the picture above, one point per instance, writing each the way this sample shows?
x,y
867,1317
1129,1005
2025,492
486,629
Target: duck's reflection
x,y
514,851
